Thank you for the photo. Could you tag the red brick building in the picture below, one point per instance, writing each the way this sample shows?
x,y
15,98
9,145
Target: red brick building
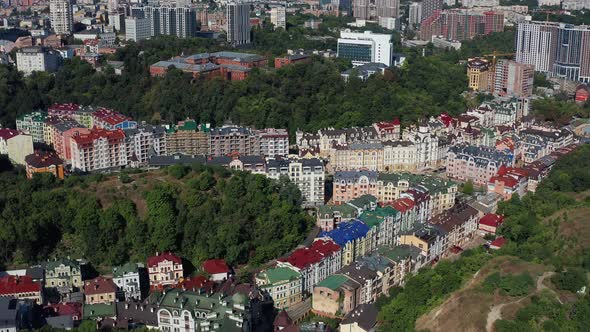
x,y
291,59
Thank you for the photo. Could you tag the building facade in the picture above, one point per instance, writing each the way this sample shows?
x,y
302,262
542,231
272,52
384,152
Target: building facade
x,y
100,149
365,47
238,23
61,15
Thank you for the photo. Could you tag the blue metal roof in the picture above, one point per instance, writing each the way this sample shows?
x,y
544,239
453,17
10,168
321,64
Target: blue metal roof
x,y
347,232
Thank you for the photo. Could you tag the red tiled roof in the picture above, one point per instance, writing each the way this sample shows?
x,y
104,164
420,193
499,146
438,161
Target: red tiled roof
x,y
214,266
498,243
165,256
109,116
99,285
6,133
64,107
18,284
491,219
196,283
384,125
320,249
403,204
66,309
507,180
96,133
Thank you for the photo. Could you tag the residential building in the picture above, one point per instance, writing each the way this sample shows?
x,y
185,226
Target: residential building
x,y
99,290
429,7
415,14
478,164
282,284
187,311
509,181
315,263
61,16
37,58
489,223
430,239
145,141
137,29
15,145
188,138
100,149
278,17
21,287
99,311
44,162
362,319
373,10
9,310
32,124
307,174
217,269
460,24
130,281
572,53
138,314
62,134
404,259
272,142
164,269
536,43
460,224
479,74
329,216
111,120
355,239
513,78
178,19
64,274
229,139
238,23
365,47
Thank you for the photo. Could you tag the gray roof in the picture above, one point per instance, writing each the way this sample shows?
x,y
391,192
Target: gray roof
x,y
60,322
354,175
144,128
36,272
67,125
365,315
134,312
358,272
176,159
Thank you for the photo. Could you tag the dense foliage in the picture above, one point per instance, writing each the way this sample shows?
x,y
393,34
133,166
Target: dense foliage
x,y
559,111
427,289
299,96
208,213
572,279
512,285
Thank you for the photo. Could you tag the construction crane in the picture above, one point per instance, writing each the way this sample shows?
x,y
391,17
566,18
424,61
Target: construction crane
x,y
495,55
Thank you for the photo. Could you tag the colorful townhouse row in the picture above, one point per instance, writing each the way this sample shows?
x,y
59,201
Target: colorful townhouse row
x,y
364,256
159,296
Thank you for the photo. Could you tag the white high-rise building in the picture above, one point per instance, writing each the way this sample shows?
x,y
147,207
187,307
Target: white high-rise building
x,y
30,59
137,29
60,12
535,44
278,17
415,12
238,23
365,47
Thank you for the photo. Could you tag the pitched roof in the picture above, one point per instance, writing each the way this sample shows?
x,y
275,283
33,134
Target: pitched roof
x,y
214,266
165,256
99,285
491,219
319,249
333,282
280,274
347,232
41,159
18,284
120,271
92,311
6,133
365,315
498,243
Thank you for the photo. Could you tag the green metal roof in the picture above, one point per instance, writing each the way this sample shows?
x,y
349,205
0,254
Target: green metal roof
x,y
344,209
363,200
51,265
398,253
280,274
432,183
374,218
92,311
189,125
119,271
334,281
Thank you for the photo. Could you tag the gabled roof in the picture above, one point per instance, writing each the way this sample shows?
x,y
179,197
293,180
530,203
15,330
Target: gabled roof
x,y
214,266
347,232
491,219
165,256
18,284
99,285
365,315
319,249
120,271
6,133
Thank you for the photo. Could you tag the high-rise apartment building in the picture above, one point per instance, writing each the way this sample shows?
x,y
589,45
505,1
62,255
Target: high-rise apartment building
x,y
278,17
238,23
98,150
169,19
429,7
137,29
37,58
415,14
373,9
365,47
535,44
460,24
562,50
60,13
513,78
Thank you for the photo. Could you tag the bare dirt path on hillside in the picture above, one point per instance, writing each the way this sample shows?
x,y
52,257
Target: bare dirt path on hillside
x,y
496,311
